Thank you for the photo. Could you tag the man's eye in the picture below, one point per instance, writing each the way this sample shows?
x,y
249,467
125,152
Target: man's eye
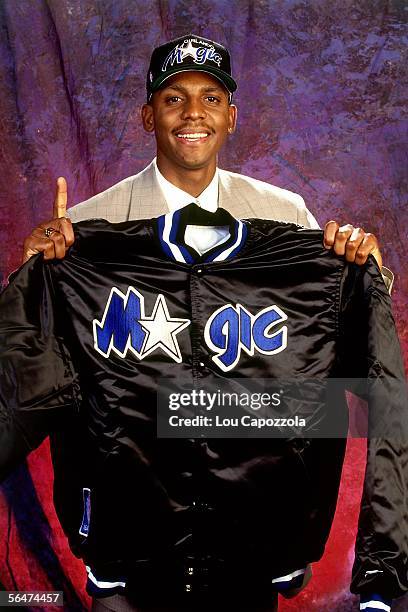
x,y
213,99
173,99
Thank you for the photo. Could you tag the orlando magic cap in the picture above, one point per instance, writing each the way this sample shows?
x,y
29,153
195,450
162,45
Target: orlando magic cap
x,y
189,53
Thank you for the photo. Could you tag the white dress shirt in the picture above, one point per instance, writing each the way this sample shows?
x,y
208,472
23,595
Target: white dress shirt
x,y
200,238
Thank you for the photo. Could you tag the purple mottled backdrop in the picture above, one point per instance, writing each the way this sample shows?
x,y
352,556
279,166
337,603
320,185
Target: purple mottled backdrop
x,y
321,112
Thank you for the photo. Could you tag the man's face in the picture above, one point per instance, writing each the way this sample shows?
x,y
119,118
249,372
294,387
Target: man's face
x,y
191,118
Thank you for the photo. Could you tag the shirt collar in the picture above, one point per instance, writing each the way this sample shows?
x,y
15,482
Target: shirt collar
x,y
176,198
171,230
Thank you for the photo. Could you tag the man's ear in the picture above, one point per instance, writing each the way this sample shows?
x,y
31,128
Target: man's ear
x,y
147,117
232,121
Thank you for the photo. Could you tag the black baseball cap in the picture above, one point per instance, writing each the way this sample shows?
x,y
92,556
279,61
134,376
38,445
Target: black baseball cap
x,y
189,52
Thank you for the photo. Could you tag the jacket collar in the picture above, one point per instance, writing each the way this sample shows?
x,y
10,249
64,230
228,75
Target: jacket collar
x,y
147,199
171,230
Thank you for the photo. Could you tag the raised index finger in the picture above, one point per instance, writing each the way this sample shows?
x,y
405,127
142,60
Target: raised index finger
x,y
60,202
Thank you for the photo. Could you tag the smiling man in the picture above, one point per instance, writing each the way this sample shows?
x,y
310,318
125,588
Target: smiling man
x,y
191,117
190,111
189,108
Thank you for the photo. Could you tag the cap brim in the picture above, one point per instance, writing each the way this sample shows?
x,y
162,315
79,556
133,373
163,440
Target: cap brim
x,y
220,75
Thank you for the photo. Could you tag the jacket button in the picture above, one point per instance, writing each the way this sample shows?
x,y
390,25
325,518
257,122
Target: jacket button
x,y
187,588
201,364
199,270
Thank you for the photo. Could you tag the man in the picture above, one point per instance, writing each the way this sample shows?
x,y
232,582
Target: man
x,y
189,109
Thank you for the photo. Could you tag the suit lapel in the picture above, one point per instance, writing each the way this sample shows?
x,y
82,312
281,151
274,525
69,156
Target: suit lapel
x,y
146,200
233,200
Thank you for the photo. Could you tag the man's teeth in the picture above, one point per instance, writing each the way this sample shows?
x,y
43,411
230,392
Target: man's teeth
x,y
195,136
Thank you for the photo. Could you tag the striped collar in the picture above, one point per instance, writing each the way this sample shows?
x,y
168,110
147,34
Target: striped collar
x,y
171,230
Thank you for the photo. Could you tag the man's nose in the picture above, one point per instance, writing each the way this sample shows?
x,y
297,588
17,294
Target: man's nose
x,y
193,109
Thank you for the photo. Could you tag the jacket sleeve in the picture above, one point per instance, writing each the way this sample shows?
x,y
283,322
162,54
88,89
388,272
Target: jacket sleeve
x,y
37,381
304,215
372,352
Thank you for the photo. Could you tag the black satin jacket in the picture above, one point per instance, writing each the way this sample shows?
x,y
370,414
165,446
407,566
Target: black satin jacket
x,y
77,365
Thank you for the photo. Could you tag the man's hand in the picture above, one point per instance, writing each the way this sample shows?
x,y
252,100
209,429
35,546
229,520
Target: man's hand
x,y
353,242
52,238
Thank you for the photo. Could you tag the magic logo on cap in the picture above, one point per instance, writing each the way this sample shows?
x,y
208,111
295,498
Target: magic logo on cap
x,y
200,54
192,53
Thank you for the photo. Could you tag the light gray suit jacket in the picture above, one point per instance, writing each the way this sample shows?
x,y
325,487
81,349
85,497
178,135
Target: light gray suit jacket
x,y
140,197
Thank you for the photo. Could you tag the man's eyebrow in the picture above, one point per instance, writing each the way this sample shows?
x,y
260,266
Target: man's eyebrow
x,y
208,89
213,88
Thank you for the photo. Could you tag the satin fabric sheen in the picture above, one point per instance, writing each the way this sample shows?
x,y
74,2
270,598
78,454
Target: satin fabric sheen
x,y
143,488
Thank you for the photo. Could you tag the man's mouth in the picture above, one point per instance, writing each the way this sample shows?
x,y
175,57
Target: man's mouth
x,y
192,136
